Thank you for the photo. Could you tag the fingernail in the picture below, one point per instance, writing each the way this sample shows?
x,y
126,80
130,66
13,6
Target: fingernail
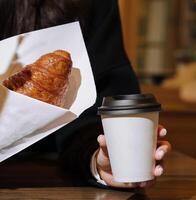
x,y
98,138
160,171
161,154
163,132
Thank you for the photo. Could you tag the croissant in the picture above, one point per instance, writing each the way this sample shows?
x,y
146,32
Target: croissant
x,y
45,80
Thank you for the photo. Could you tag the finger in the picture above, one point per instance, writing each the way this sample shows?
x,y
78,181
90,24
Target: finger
x,y
161,131
103,162
158,171
163,148
163,142
102,143
111,182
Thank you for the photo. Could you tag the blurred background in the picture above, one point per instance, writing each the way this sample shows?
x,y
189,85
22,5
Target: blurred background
x,y
160,40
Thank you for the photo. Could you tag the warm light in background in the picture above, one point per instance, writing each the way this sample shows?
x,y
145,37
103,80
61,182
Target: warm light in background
x,y
157,34
129,16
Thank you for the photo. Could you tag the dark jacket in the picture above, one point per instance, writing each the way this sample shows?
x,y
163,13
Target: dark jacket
x,y
113,75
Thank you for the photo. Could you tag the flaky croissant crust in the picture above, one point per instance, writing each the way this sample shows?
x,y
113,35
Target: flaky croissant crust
x,y
45,80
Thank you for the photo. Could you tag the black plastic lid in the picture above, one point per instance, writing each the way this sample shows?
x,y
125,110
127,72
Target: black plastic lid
x,y
129,104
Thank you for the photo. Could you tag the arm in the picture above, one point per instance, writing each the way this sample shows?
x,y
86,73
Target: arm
x,y
113,75
78,140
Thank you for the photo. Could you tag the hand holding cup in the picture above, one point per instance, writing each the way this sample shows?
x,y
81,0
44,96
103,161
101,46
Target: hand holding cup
x,y
104,167
130,148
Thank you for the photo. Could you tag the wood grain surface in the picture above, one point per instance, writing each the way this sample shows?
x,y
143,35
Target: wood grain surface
x,y
41,181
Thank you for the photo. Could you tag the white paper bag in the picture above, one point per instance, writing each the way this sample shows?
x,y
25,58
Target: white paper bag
x,y
24,120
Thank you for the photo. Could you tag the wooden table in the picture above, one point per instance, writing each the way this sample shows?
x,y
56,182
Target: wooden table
x,y
178,183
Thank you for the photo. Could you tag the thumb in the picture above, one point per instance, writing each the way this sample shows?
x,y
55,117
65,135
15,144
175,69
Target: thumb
x,y
103,161
102,144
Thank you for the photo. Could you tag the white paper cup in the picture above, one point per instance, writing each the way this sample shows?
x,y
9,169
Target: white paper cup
x,y
131,136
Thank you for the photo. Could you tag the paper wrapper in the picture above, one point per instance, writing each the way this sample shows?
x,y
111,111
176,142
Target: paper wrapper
x,y
24,120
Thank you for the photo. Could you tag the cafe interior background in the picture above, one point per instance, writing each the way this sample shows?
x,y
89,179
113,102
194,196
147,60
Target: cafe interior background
x,y
160,40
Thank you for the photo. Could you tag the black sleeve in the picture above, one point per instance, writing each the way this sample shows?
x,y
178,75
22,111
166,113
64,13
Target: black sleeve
x,y
113,75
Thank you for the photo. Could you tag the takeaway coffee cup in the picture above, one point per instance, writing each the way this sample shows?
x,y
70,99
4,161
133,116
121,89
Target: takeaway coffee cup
x,y
130,125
